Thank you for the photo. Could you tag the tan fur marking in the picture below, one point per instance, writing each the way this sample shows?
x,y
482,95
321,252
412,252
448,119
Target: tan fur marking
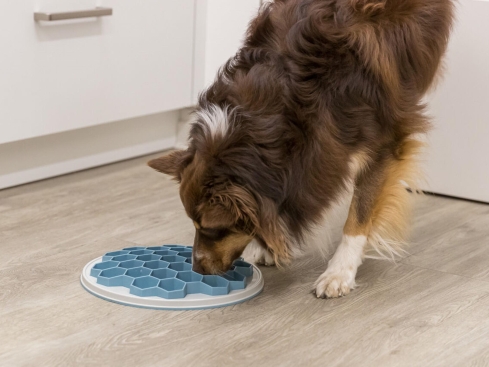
x,y
232,244
388,220
391,213
224,252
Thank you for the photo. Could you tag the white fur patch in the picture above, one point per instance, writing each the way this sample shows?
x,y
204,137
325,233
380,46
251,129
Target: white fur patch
x,y
339,277
200,255
357,164
326,234
385,249
255,253
215,120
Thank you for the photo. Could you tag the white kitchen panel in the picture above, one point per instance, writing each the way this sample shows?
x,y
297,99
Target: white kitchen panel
x,y
220,30
58,76
458,163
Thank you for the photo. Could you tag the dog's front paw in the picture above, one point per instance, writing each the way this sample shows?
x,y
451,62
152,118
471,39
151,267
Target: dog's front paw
x,y
333,284
265,258
257,254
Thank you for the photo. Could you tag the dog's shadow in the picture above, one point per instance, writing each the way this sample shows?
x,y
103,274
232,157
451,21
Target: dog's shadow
x,y
298,277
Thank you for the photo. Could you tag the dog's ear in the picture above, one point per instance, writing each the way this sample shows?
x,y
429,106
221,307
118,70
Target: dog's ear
x,y
172,164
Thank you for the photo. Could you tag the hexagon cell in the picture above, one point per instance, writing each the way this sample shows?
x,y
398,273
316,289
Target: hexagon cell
x,y
166,272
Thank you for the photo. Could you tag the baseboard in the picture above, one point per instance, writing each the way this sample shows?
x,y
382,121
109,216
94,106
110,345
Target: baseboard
x,y
58,154
73,165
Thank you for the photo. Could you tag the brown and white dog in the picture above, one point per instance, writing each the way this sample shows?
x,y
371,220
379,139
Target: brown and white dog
x,y
324,97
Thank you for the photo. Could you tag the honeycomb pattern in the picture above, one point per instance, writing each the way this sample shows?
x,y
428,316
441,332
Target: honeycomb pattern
x,y
166,271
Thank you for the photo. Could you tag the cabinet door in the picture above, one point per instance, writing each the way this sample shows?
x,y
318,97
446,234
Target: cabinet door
x,y
64,75
458,163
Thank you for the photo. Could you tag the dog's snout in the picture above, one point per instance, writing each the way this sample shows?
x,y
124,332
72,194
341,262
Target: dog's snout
x,y
206,264
197,261
197,267
216,255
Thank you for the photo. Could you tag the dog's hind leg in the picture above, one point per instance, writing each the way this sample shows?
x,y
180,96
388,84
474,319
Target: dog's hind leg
x,y
377,219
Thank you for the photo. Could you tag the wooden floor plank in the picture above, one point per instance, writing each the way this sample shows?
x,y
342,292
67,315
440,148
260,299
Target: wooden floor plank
x,y
429,309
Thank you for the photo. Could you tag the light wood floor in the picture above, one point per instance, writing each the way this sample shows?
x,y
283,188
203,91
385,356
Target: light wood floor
x,y
430,309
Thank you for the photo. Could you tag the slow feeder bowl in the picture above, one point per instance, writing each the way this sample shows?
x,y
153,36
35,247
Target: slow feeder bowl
x,y
161,277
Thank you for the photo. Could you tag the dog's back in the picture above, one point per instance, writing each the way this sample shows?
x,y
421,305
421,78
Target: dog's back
x,y
345,76
396,38
378,53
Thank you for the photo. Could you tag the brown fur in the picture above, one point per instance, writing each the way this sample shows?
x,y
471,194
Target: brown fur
x,y
316,83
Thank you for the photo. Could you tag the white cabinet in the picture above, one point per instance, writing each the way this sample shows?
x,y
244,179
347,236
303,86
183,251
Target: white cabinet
x,y
220,30
458,163
80,93
64,75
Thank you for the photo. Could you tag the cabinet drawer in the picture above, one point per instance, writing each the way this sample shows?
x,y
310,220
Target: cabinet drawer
x,y
63,75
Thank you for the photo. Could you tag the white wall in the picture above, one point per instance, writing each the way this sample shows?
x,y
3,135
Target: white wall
x,y
227,22
220,30
458,161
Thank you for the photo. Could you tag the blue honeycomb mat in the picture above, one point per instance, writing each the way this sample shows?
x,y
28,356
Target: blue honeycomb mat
x,y
166,272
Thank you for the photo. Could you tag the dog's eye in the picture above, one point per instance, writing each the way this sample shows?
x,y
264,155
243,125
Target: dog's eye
x,y
214,233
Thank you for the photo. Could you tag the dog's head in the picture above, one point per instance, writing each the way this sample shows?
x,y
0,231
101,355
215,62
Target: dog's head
x,y
225,214
228,190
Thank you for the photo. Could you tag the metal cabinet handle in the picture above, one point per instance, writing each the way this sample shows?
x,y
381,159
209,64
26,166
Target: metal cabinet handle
x,y
97,12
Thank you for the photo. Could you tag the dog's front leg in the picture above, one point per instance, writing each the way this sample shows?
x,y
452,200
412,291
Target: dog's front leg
x,y
339,277
377,220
